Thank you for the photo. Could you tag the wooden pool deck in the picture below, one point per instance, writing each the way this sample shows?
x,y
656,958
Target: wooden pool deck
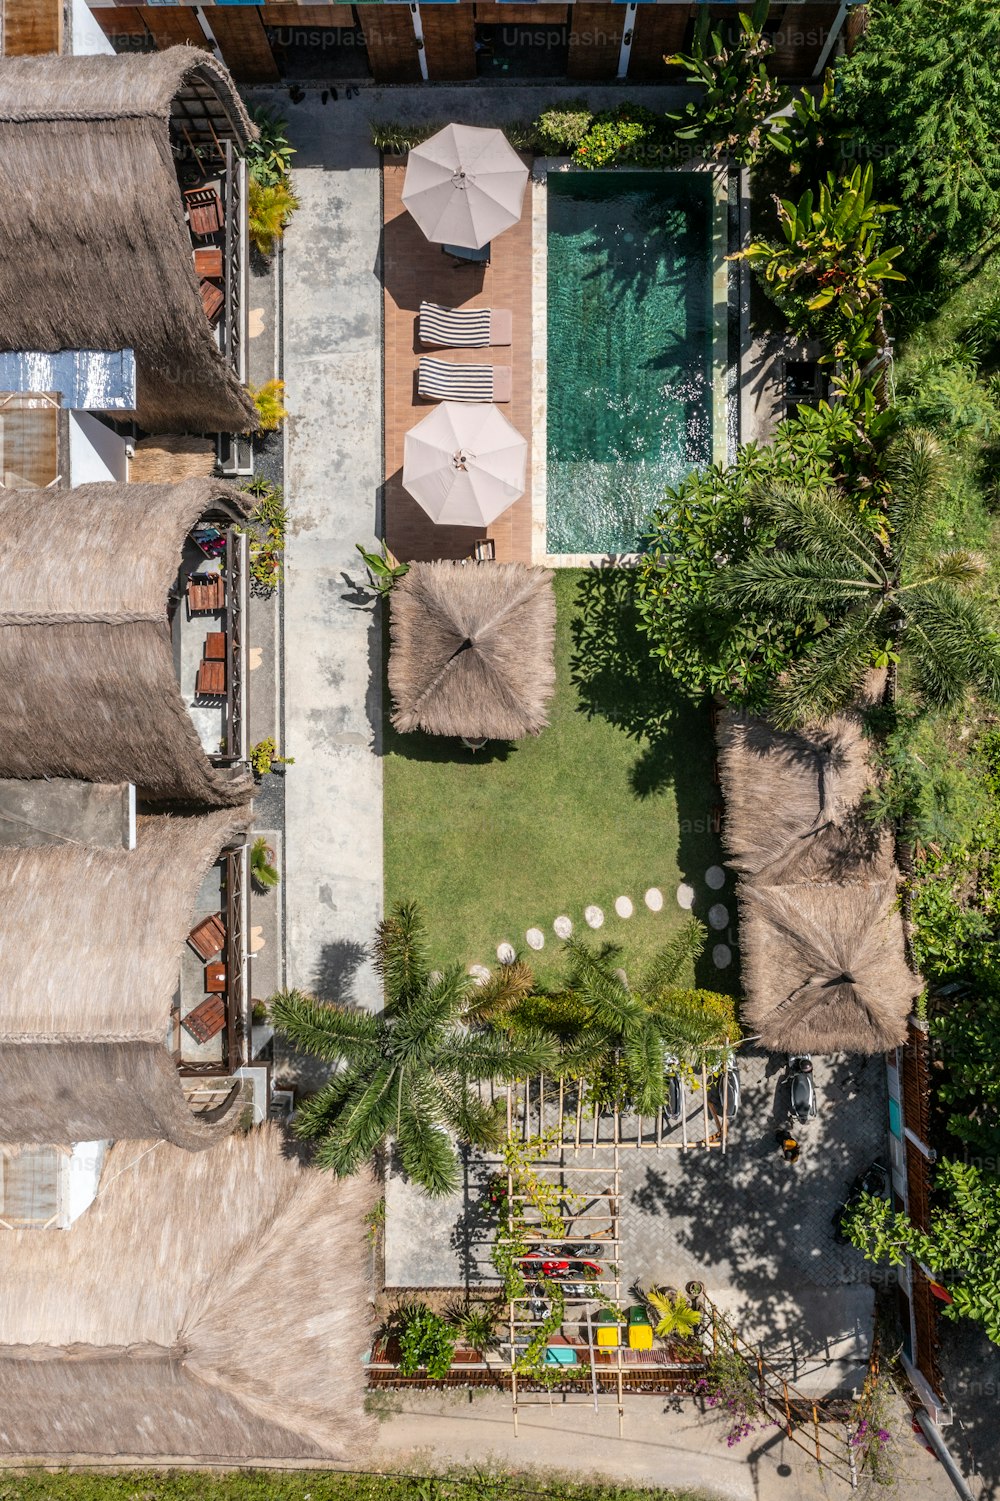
x,y
414,270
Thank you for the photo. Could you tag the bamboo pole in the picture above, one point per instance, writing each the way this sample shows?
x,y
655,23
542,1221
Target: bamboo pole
x,y
725,1098
704,1098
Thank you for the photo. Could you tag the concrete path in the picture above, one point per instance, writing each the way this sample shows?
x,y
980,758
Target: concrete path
x,y
665,1443
333,678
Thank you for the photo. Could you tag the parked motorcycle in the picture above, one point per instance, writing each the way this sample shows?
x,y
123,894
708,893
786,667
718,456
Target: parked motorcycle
x,y
727,1091
873,1181
673,1105
801,1090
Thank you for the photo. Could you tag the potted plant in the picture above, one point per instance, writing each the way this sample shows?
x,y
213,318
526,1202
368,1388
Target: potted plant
x,y
263,870
476,1327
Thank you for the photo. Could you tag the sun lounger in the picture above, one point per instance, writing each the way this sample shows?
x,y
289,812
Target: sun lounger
x,y
440,381
463,328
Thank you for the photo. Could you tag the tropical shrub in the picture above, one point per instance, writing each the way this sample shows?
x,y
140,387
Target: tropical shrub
x,y
264,757
268,523
560,131
269,157
730,1387
923,93
383,570
961,1249
628,133
263,872
426,1342
269,208
925,782
476,1324
738,95
674,1314
271,410
827,275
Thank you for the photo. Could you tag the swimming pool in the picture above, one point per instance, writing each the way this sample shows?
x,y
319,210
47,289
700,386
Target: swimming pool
x,y
631,349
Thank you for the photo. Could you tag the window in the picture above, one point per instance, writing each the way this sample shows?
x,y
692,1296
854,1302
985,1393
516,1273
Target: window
x,y
29,441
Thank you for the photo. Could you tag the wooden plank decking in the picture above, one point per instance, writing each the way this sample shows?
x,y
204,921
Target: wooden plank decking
x,y
414,269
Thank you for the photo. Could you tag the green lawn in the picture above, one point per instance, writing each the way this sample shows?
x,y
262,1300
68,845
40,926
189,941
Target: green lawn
x,y
614,797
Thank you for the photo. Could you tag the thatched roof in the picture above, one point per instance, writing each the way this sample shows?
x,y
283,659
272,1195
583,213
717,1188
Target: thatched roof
x,y
98,254
87,681
824,967
90,945
472,650
204,1308
794,801
168,457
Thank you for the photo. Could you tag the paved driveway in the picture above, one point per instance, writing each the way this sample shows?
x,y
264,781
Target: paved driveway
x,y
756,1230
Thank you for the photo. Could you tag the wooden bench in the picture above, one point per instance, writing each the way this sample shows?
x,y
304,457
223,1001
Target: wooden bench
x,y
211,680
204,211
208,937
206,597
207,1019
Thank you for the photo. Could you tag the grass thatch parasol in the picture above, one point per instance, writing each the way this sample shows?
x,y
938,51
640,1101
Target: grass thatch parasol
x,y
472,650
88,687
90,947
794,801
824,967
97,254
210,1307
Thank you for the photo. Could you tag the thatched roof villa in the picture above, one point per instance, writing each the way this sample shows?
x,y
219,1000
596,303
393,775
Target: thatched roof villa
x,y
209,1308
95,252
90,953
88,683
472,650
824,958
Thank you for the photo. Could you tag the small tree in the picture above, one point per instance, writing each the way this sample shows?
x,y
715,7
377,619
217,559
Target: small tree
x,y
961,1249
738,95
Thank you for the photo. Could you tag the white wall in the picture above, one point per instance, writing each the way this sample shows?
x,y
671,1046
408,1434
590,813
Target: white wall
x,y
87,35
95,451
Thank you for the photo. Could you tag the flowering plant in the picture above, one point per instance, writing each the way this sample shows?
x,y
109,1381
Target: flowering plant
x,y
728,1385
869,1436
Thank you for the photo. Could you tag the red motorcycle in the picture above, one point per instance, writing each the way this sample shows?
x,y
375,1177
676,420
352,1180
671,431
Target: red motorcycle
x,y
537,1263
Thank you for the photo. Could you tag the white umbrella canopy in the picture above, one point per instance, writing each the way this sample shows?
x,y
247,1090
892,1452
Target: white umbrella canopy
x,y
464,186
464,463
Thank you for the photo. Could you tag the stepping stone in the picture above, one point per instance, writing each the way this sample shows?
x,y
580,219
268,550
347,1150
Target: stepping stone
x,y
562,927
715,877
506,953
594,917
621,975
623,906
535,938
257,940
722,955
654,899
479,973
718,915
685,896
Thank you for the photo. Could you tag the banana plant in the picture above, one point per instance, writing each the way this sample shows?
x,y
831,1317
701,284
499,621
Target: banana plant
x,y
728,119
383,569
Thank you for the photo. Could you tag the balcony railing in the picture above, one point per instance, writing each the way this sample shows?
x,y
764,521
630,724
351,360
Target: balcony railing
x,y
235,262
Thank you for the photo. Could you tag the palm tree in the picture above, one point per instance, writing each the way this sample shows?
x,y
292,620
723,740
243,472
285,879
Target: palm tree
x,y
879,592
638,1026
409,1072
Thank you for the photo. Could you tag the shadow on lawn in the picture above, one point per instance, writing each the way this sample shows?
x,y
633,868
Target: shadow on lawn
x,y
618,680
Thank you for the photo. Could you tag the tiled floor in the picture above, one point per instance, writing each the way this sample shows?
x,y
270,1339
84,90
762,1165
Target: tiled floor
x,y
414,269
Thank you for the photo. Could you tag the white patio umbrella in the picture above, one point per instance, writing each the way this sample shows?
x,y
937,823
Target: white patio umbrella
x,y
464,463
464,186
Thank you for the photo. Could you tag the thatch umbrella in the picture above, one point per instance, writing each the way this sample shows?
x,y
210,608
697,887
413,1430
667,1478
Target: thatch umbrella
x,y
465,463
794,802
185,1314
472,650
98,254
464,185
825,967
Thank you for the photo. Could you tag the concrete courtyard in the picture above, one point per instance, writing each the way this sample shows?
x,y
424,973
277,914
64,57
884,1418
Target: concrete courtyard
x,y
756,1230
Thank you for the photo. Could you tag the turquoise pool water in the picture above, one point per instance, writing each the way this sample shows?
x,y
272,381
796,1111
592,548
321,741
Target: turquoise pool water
x,y
629,349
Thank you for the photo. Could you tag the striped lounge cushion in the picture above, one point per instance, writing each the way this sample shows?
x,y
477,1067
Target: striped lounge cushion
x,y
442,381
454,328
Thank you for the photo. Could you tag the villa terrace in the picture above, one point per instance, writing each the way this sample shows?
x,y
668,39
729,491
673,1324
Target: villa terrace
x,y
415,270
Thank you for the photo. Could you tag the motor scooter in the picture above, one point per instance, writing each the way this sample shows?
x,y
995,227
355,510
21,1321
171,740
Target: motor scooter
x,y
801,1090
673,1105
